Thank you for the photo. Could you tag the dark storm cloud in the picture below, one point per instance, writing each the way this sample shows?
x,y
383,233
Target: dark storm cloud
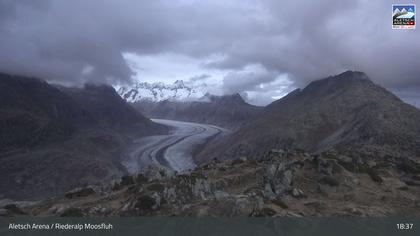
x,y
248,80
199,78
75,41
321,38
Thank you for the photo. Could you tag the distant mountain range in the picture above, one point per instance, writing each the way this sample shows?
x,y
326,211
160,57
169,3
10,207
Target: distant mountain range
x,y
228,111
157,92
188,102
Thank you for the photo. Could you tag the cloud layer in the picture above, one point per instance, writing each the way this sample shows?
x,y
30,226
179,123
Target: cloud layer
x,y
258,43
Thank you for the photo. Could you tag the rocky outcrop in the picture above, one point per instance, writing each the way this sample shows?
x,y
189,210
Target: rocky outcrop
x,y
280,183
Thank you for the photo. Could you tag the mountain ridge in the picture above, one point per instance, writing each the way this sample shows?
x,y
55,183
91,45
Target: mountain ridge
x,y
347,112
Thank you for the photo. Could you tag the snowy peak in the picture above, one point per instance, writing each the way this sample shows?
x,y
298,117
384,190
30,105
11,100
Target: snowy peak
x,y
156,92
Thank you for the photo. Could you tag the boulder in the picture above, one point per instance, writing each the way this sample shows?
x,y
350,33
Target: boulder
x,y
277,180
297,193
201,189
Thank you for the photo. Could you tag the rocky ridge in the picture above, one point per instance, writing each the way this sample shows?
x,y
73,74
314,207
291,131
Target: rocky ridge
x,y
281,183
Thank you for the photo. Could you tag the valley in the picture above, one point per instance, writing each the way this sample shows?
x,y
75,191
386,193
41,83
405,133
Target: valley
x,y
175,150
341,146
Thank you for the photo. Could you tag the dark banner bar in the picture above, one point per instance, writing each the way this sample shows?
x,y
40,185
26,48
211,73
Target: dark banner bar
x,y
163,226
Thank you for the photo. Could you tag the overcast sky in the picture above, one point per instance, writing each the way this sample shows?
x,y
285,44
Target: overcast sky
x,y
260,48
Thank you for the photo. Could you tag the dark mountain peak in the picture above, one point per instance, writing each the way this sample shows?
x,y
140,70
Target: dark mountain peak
x,y
333,86
237,98
342,112
100,89
230,98
352,75
353,88
345,80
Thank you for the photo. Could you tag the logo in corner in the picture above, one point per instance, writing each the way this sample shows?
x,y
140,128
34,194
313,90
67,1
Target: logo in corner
x,y
404,16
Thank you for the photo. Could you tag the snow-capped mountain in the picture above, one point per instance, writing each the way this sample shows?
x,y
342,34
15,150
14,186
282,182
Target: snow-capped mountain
x,y
156,92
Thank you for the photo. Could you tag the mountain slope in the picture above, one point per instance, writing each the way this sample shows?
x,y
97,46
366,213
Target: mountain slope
x,y
229,111
109,109
53,139
32,111
346,112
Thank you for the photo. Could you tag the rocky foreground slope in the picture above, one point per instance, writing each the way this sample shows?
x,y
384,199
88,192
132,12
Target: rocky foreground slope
x,y
281,183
